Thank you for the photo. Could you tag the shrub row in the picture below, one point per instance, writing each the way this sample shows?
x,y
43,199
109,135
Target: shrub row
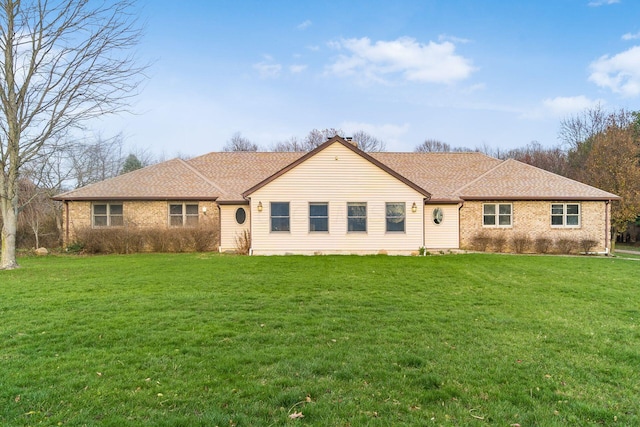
x,y
131,240
521,243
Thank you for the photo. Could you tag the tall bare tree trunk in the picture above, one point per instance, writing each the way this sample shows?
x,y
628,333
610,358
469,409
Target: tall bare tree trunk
x,y
9,210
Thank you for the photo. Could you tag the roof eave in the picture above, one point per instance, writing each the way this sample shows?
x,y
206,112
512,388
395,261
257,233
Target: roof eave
x,y
131,198
545,198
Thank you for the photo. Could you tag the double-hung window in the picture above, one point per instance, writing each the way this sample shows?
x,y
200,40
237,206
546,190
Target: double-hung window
x,y
183,215
108,215
318,217
280,216
356,216
565,215
497,214
395,214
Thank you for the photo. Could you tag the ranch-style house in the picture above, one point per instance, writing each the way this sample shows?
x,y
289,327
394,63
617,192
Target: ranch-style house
x,y
338,199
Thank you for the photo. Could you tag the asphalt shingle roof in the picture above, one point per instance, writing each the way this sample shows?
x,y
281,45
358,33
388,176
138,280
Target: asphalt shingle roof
x,y
449,177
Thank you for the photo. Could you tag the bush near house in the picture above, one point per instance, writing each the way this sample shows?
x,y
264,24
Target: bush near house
x,y
130,240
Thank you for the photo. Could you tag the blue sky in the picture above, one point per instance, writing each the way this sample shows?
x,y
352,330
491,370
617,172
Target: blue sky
x,y
465,72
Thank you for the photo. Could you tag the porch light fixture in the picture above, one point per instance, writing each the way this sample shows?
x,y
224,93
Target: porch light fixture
x,y
259,206
204,210
414,207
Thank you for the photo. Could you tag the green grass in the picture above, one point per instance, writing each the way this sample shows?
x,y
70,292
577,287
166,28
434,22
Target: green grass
x,y
192,339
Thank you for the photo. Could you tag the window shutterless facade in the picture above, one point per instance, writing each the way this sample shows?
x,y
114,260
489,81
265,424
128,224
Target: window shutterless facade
x,y
395,216
565,215
318,217
497,215
356,216
280,216
108,215
183,215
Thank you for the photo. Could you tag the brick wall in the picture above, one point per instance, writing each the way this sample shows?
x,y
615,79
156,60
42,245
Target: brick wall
x,y
143,214
533,219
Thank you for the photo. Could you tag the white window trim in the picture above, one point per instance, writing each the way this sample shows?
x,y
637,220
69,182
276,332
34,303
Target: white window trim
x,y
366,218
564,215
497,216
310,217
184,213
404,218
271,230
108,214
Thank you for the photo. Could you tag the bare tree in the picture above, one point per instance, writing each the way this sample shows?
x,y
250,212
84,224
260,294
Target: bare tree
x,y
292,144
95,161
239,143
368,143
552,159
433,146
64,62
318,137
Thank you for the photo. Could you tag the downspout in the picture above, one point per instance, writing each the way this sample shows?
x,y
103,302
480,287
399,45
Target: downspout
x,y
460,205
250,225
424,229
66,220
219,227
607,228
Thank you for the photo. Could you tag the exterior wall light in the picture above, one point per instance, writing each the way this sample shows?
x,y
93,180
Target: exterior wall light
x,y
204,210
414,207
259,206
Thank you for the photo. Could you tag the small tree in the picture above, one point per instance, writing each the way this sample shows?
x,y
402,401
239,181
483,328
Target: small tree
x,y
131,163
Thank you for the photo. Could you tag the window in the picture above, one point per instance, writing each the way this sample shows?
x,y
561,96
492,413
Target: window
x,y
183,215
318,217
565,215
356,216
496,215
241,216
279,216
395,213
108,215
438,216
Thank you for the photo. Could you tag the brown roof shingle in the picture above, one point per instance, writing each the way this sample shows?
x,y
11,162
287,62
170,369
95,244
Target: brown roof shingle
x,y
448,177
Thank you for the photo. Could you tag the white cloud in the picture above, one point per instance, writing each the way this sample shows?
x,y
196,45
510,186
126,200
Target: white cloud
x,y
597,3
453,39
630,36
620,73
304,25
268,70
566,105
432,62
297,68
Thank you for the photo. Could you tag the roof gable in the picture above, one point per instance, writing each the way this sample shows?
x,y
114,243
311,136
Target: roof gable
x,y
337,140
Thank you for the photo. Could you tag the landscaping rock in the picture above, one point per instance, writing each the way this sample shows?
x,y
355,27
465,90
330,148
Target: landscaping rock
x,y
42,251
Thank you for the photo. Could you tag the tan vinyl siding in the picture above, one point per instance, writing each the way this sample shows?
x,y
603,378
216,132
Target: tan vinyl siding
x,y
446,234
229,228
337,176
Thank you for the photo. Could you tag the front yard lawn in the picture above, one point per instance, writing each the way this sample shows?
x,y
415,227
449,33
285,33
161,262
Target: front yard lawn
x,y
205,339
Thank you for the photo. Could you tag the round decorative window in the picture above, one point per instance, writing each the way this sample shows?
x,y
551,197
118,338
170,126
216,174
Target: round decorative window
x,y
241,215
437,215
